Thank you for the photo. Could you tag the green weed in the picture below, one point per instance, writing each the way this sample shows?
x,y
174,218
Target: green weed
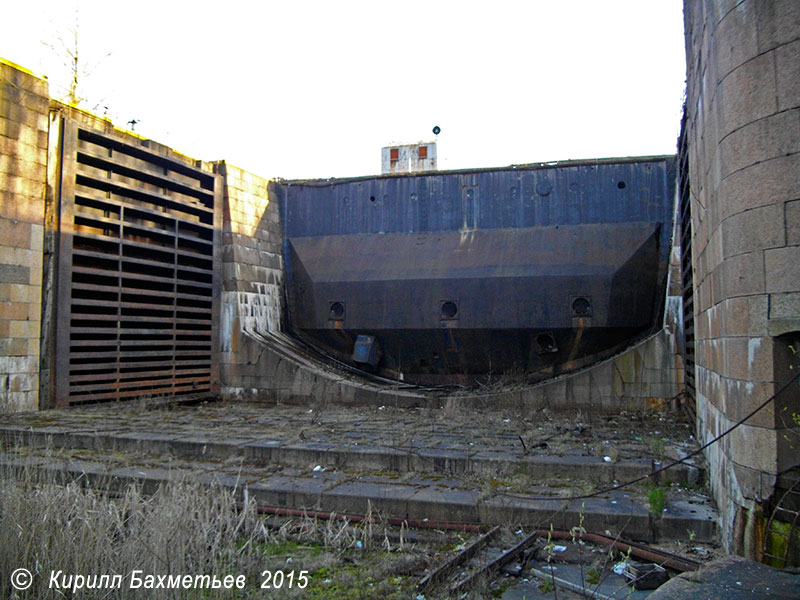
x,y
657,499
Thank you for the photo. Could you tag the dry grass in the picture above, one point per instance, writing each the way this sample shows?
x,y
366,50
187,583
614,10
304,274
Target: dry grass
x,y
188,529
181,529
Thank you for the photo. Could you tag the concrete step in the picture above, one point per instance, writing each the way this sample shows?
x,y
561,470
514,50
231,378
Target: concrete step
x,y
474,467
339,455
416,498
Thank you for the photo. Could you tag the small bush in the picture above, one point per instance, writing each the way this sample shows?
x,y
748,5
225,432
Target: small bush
x,y
657,498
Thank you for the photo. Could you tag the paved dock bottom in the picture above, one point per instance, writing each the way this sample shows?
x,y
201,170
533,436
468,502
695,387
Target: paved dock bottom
x,y
409,464
413,465
727,578
731,578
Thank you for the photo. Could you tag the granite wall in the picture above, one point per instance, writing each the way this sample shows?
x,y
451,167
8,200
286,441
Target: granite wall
x,y
743,128
24,107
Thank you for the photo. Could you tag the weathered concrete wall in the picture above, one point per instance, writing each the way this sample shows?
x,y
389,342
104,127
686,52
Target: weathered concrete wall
x,y
24,102
743,127
252,281
648,376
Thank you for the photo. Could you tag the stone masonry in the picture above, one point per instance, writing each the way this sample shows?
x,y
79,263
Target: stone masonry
x,y
251,281
24,107
743,128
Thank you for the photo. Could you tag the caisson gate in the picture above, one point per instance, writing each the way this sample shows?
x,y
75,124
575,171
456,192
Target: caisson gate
x,y
137,271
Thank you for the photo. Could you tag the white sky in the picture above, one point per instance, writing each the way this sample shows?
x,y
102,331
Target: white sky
x,y
300,88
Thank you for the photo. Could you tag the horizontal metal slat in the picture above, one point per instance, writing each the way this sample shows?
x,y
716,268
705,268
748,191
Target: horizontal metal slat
x,y
131,279
114,376
193,310
126,346
169,330
188,269
96,358
188,321
151,212
101,325
91,287
162,391
85,302
134,357
79,214
192,237
129,191
180,376
134,228
193,297
82,388
107,258
90,271
116,145
121,163
147,306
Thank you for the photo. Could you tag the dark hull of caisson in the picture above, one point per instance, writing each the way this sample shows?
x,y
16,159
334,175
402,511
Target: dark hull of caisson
x,y
466,276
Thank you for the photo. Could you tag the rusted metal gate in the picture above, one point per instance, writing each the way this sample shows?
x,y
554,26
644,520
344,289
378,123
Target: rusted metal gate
x,y
687,275
137,278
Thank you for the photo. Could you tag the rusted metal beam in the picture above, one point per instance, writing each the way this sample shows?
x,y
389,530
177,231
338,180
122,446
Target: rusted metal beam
x,y
446,569
492,567
661,557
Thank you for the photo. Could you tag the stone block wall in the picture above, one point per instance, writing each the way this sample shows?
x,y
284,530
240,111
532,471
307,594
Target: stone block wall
x,y
743,127
252,281
24,107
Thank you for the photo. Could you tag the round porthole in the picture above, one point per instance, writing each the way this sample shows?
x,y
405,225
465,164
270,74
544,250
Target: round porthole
x,y
337,310
581,306
449,310
546,342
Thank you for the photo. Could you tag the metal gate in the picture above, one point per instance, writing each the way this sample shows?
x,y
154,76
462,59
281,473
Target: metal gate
x,y
138,272
687,275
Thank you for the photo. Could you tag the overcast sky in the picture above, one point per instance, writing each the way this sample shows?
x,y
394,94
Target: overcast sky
x,y
314,89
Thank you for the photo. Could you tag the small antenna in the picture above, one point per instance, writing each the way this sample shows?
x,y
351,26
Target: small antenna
x,y
133,123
